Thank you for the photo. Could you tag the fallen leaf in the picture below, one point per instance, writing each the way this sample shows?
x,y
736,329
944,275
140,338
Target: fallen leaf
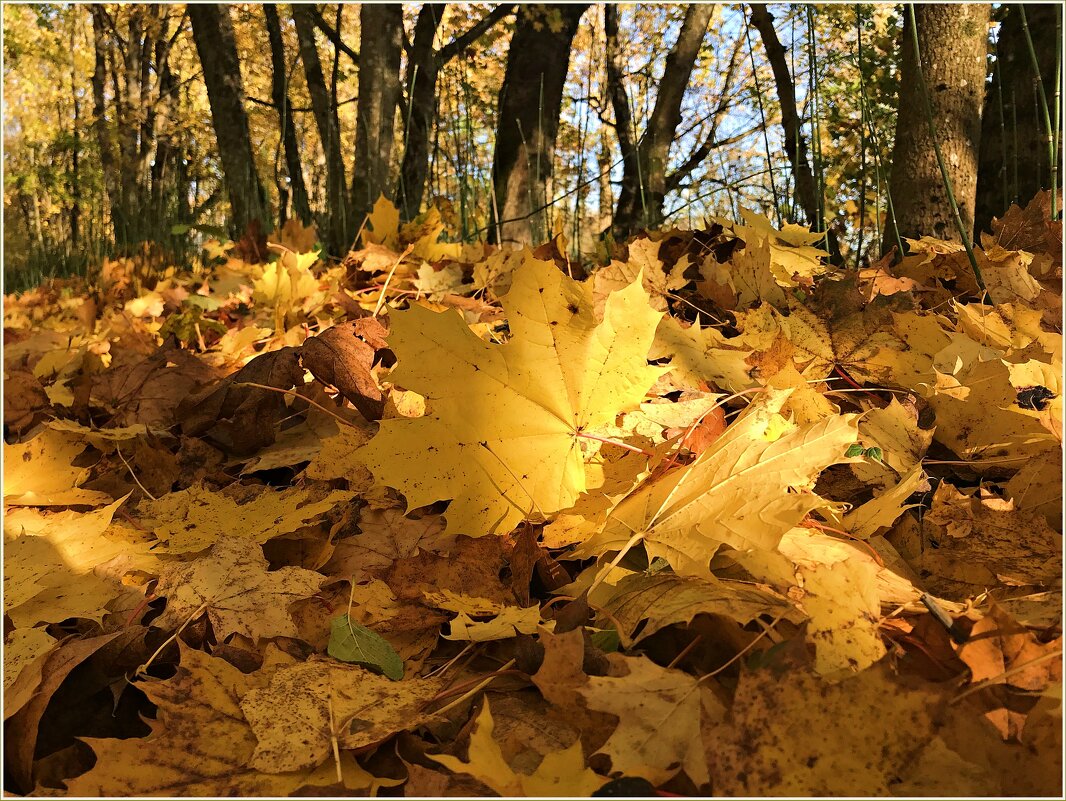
x,y
665,598
660,712
231,584
303,707
805,737
746,490
560,374
343,355
194,519
562,773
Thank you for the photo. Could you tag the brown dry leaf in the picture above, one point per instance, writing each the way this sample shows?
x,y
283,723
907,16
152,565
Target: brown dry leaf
x,y
25,400
998,651
343,356
386,535
1037,487
666,598
202,745
295,236
304,707
472,569
27,699
981,541
194,519
238,418
1031,228
231,584
660,714
790,733
148,390
562,773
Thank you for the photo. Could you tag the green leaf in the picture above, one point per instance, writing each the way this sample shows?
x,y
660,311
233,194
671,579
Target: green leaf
x,y
179,229
350,642
875,453
855,449
607,640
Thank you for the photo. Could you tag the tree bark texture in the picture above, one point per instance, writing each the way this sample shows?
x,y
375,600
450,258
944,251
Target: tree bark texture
x,y
1014,153
530,102
213,34
421,80
296,188
953,42
338,222
380,39
795,144
644,179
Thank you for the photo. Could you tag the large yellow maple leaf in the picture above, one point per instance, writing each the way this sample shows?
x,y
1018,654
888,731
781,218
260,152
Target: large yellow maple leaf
x,y
502,434
746,491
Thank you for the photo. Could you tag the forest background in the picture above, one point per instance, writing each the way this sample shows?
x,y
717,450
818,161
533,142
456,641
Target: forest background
x,y
168,124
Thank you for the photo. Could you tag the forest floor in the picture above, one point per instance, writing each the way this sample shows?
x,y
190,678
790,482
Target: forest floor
x,y
446,520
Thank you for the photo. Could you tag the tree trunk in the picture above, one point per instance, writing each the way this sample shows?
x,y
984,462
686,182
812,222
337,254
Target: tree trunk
x,y
280,95
1014,152
421,81
643,193
795,144
380,37
336,236
213,34
530,102
108,160
75,153
953,42
423,66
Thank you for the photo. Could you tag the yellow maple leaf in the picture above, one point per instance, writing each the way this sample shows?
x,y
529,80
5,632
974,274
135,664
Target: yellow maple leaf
x,y
231,584
202,744
305,706
502,435
193,519
660,714
40,472
560,773
383,225
750,487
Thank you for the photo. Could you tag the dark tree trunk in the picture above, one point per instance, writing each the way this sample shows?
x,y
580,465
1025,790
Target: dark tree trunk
x,y
106,145
530,102
643,192
280,95
1014,152
795,144
336,236
75,154
423,66
213,34
380,38
421,81
953,41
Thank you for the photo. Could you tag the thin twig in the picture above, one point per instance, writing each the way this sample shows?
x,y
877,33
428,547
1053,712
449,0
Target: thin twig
x,y
144,489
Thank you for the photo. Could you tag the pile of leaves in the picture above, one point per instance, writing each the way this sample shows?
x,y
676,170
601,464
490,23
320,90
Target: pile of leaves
x,y
443,519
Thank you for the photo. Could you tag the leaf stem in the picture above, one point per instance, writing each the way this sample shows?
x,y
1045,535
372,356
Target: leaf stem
x,y
609,441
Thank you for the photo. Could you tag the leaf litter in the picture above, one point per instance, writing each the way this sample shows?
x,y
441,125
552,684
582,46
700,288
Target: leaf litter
x,y
443,519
